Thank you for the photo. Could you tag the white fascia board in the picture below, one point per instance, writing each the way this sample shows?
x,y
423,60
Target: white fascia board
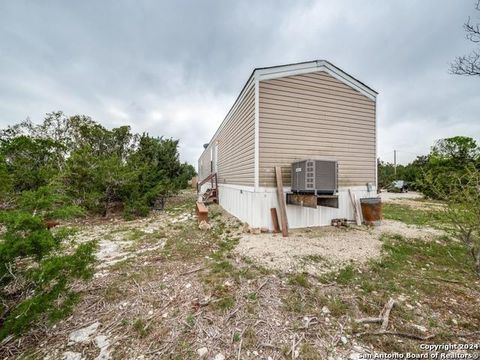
x,y
257,133
313,66
376,144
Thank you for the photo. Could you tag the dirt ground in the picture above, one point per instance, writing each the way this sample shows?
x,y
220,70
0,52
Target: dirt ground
x,y
411,199
394,197
164,289
324,249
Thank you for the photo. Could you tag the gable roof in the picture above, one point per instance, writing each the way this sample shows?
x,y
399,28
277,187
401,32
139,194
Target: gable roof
x,y
273,72
278,71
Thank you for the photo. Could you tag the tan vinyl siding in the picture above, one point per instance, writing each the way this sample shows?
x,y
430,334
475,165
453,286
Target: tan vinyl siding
x,y
315,115
236,144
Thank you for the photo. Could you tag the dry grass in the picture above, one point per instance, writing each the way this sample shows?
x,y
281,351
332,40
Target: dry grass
x,y
181,289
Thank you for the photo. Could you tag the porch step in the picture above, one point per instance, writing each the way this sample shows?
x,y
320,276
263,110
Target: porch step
x,y
210,196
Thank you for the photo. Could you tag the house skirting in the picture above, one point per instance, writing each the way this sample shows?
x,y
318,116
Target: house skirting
x,y
253,206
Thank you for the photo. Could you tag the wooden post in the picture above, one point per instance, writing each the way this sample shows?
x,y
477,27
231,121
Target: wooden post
x,y
276,226
281,201
356,212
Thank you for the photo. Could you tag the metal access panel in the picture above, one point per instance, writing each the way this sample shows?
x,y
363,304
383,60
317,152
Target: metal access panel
x,y
319,177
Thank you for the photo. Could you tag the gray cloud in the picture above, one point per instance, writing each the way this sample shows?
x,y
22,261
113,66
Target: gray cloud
x,y
175,68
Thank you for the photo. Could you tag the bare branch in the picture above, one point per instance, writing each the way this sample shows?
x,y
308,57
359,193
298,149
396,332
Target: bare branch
x,y
469,64
466,65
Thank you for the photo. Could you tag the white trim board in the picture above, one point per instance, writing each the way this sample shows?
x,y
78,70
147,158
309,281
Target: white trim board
x,y
313,66
263,189
257,134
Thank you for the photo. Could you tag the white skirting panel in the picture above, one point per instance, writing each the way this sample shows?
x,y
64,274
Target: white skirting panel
x,y
253,207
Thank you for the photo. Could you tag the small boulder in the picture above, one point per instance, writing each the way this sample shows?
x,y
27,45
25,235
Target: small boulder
x,y
71,355
84,334
202,352
204,225
420,328
254,231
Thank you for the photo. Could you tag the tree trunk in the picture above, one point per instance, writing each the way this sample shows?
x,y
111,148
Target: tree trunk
x,y
476,259
477,264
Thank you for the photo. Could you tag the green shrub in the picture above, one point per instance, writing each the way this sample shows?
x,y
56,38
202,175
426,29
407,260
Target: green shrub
x,y
95,167
36,273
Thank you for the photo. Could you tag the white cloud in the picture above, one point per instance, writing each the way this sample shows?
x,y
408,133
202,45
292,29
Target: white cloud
x,y
173,69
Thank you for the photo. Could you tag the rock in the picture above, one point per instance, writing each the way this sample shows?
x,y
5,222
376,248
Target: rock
x,y
70,355
264,230
204,225
83,335
344,340
358,349
219,357
420,328
325,310
202,351
103,343
254,231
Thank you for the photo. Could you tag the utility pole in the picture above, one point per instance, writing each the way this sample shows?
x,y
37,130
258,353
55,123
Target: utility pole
x,y
395,163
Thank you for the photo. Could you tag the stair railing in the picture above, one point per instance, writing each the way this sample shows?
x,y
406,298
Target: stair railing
x,y
213,178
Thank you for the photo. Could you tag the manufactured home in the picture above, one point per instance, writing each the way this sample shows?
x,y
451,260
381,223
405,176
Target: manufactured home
x,y
309,116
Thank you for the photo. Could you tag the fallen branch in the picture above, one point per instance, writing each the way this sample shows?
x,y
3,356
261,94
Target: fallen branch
x,y
465,334
270,346
309,321
261,286
445,280
369,320
192,271
240,348
232,313
385,314
396,333
240,345
295,344
383,317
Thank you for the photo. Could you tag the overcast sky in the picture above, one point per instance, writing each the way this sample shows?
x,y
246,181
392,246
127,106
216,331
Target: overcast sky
x,y
174,68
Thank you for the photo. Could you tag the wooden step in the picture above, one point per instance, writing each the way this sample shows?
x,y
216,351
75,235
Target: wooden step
x,y
202,212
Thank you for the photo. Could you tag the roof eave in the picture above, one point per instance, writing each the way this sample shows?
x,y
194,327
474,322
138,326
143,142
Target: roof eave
x,y
273,72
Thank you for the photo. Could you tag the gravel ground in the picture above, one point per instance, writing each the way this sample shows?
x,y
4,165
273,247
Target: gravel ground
x,y
322,249
392,197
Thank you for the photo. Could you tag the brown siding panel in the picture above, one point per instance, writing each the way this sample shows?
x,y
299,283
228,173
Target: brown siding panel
x,y
236,145
316,116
